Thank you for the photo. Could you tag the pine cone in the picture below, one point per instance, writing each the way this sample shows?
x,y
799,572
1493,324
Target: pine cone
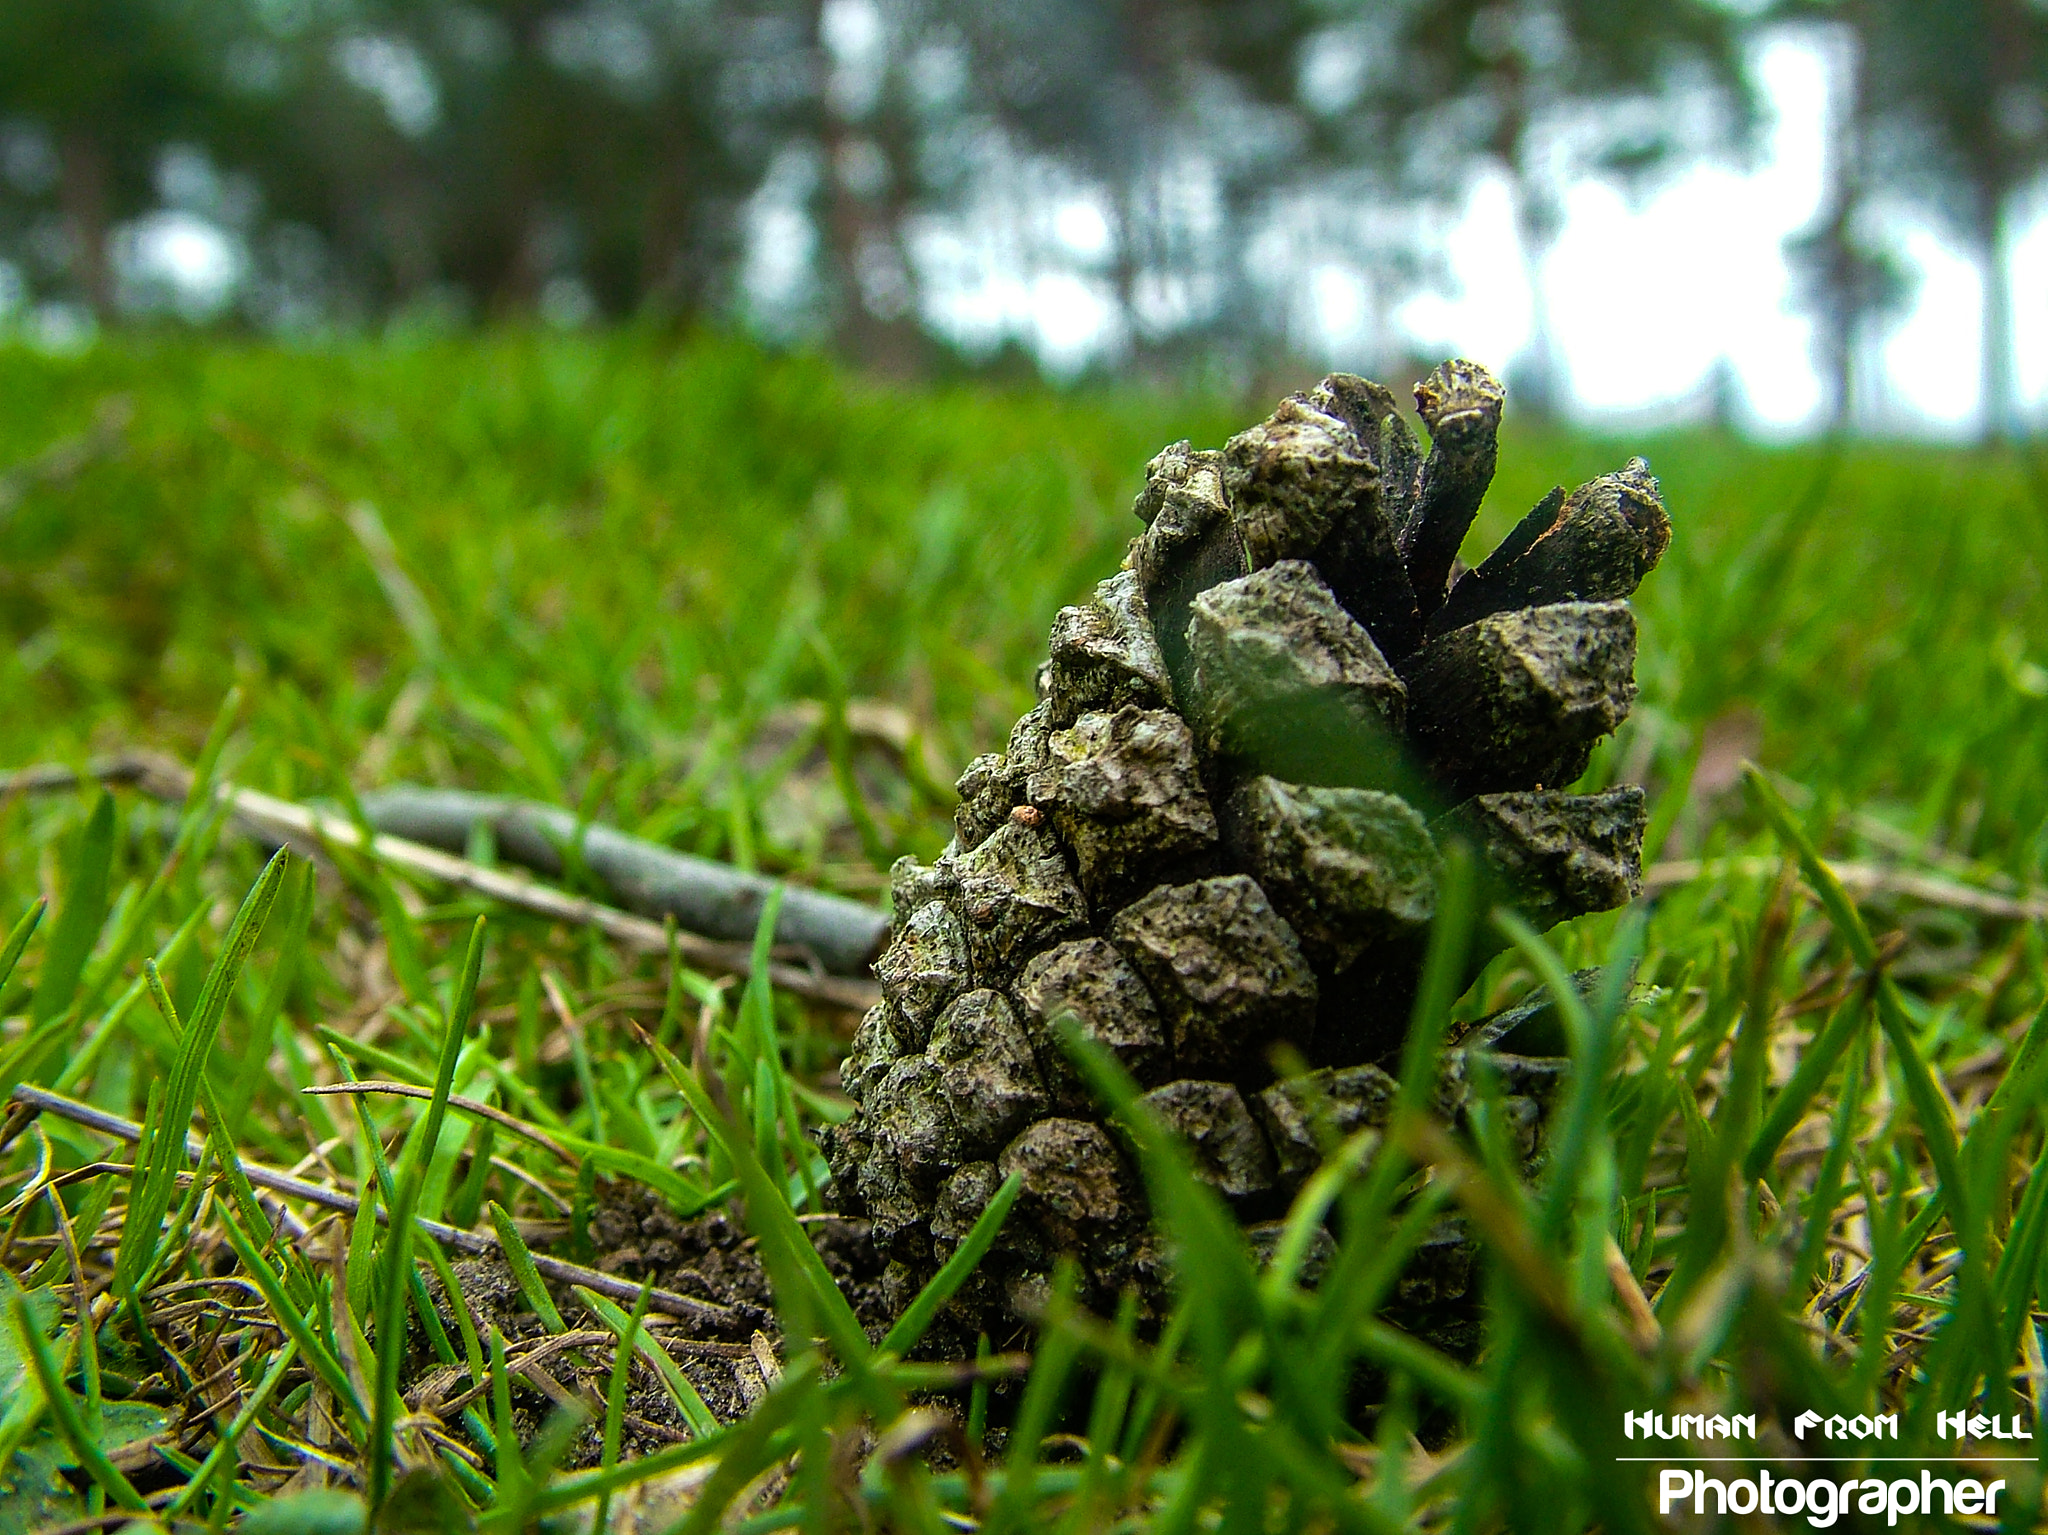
x,y
1218,834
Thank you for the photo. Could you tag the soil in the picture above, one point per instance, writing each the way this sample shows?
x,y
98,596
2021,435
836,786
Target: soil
x,y
638,1237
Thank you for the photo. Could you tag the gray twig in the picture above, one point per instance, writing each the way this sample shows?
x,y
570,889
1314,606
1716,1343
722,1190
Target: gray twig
x,y
705,897
311,830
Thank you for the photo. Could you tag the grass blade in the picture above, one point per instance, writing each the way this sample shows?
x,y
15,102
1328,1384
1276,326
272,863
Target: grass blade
x,y
519,1259
197,1484
395,1283
1930,1105
615,1401
691,1405
57,1396
1790,1105
921,1312
17,940
320,1359
248,1072
79,918
140,1230
1211,1260
797,1272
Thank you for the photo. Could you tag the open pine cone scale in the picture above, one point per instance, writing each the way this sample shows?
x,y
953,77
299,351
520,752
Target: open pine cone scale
x,y
1218,834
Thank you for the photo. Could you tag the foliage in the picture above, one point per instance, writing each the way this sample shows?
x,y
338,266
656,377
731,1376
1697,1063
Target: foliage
x,y
612,574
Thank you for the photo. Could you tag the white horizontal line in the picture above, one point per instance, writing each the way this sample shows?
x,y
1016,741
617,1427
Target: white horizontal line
x,y
1825,1460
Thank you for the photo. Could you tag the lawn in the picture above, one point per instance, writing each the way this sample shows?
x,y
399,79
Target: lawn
x,y
753,608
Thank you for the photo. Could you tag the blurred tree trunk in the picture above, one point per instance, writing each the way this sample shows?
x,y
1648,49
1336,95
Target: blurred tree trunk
x,y
869,277
84,194
668,280
1994,257
1537,224
1999,131
1842,305
1146,43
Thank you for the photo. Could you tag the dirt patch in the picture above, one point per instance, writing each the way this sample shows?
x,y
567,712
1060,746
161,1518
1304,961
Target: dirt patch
x,y
710,1257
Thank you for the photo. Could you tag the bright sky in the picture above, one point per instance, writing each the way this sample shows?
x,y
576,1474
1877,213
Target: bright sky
x,y
1651,300
1647,299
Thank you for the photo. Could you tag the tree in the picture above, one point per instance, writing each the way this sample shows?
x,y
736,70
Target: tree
x,y
110,81
1958,101
1543,88
1158,103
502,147
1847,280
869,138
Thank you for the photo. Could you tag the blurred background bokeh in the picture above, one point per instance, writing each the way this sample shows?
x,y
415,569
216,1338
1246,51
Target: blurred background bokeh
x,y
1784,217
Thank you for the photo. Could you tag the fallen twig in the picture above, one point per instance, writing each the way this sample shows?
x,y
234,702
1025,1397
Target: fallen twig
x,y
475,1243
704,896
1859,879
310,830
488,1111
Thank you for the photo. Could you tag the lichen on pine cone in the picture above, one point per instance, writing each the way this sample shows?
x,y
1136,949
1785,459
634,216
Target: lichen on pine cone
x,y
1218,834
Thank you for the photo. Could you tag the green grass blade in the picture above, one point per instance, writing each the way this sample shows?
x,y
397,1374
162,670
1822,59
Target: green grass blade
x,y
1393,1349
2019,1266
1311,1207
1368,1204
757,1003
140,1231
17,940
1057,1353
977,1396
1825,1200
1592,1032
248,1072
394,1289
797,1272
2031,1046
220,1143
57,1396
472,1347
749,1450
467,1203
79,918
123,1017
1211,1259
1793,1099
1930,1106
228,1443
688,1402
615,1401
297,1326
519,1259
511,1468
581,1486
910,1327
1443,977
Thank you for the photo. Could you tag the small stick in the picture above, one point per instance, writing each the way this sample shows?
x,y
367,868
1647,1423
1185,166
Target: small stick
x,y
475,1243
488,1111
309,829
648,879
1861,878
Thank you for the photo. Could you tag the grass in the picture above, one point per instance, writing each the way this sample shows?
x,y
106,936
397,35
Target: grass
x,y
756,610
